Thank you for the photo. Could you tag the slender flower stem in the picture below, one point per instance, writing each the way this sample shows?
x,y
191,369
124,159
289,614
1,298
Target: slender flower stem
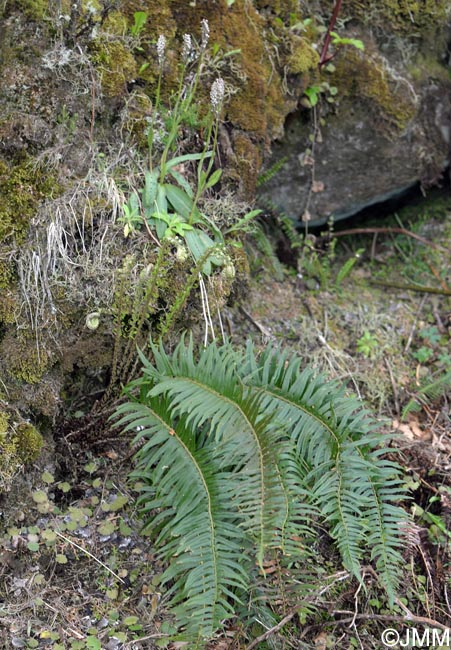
x,y
324,58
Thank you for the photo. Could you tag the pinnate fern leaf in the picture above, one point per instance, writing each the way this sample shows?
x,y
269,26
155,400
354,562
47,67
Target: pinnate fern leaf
x,y
240,453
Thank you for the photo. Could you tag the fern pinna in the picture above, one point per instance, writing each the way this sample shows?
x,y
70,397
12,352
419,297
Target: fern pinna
x,y
239,454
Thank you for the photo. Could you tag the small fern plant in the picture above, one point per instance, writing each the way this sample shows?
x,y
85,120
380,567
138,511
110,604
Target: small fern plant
x,y
241,454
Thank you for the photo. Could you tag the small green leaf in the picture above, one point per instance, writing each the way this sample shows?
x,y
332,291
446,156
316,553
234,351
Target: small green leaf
x,y
244,221
130,620
180,201
39,496
60,558
47,478
118,503
186,158
90,467
33,546
64,487
93,643
181,180
150,190
107,527
214,178
48,535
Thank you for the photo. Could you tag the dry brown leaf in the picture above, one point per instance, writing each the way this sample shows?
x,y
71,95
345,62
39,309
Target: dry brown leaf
x,y
321,641
412,429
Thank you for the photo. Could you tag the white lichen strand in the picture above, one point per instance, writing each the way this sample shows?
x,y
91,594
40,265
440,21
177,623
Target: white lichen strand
x,y
205,33
217,94
161,48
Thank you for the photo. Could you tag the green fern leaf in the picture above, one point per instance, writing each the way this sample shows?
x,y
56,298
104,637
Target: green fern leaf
x,y
432,390
335,437
241,453
196,530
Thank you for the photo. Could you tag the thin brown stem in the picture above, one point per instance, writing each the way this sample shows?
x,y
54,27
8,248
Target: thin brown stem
x,y
324,58
386,231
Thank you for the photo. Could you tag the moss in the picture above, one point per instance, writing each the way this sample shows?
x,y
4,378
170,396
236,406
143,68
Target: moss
x,y
22,188
8,297
20,444
4,419
28,441
406,16
116,66
32,9
248,163
116,23
363,77
303,57
23,360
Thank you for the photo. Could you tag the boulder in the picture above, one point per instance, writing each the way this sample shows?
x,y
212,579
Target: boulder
x,y
380,126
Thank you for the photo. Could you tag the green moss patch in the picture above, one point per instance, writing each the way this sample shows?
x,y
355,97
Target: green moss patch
x,y
22,188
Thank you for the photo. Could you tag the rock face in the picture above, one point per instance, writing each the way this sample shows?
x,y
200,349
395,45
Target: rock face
x,y
387,129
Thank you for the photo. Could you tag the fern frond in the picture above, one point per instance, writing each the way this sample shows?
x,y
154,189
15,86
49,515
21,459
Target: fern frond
x,y
432,391
208,391
334,437
242,454
197,529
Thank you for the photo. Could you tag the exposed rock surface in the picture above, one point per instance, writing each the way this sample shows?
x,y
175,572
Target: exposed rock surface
x,y
387,129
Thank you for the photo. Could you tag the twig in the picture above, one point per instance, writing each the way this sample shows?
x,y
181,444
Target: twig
x,y
264,330
273,630
410,618
394,387
385,231
83,550
412,331
412,287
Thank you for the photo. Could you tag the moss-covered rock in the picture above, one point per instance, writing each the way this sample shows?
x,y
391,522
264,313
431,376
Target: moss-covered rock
x,y
408,17
22,187
20,444
303,57
115,64
22,359
362,76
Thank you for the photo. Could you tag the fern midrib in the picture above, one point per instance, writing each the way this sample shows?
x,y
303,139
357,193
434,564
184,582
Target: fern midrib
x,y
173,433
237,407
300,407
